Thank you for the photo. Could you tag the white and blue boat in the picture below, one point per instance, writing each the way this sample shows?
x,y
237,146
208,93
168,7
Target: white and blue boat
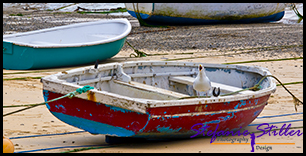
x,y
68,45
206,13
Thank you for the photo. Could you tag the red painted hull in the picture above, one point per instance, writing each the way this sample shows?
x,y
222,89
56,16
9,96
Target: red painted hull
x,y
171,121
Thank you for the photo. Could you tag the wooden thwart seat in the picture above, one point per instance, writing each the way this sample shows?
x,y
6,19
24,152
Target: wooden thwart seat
x,y
140,90
223,87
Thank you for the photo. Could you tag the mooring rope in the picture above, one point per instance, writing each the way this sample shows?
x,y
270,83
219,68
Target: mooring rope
x,y
278,122
83,147
43,135
69,95
273,116
142,22
296,11
90,147
74,132
296,101
138,53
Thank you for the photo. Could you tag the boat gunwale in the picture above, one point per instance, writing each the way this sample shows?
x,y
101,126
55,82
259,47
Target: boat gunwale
x,y
6,38
208,112
140,105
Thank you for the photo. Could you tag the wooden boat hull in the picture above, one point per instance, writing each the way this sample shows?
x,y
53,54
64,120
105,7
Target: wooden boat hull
x,y
206,13
41,52
165,122
105,112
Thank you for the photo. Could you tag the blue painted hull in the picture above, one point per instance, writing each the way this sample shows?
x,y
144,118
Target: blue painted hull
x,y
93,126
23,57
168,20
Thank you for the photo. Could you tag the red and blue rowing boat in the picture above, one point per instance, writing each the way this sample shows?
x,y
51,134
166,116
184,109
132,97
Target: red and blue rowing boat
x,y
155,99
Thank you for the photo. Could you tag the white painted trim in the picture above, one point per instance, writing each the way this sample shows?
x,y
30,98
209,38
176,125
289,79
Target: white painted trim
x,y
207,113
10,38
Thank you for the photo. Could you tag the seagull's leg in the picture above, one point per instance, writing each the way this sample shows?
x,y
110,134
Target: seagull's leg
x,y
194,92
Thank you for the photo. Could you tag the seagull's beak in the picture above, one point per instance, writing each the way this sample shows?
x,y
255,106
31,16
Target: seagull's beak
x,y
200,67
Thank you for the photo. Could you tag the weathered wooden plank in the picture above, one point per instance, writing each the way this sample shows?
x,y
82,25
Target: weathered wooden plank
x,y
140,90
107,78
224,88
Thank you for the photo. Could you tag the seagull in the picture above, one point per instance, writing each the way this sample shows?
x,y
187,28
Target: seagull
x,y
201,82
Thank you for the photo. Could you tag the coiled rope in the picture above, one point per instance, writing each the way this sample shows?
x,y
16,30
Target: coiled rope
x,y
69,95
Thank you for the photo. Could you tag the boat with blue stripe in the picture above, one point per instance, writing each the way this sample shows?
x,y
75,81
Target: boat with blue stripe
x,y
68,45
206,13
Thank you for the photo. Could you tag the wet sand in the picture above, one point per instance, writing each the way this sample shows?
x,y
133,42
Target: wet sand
x,y
202,43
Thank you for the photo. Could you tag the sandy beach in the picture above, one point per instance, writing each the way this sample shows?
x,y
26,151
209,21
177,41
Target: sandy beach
x,y
240,43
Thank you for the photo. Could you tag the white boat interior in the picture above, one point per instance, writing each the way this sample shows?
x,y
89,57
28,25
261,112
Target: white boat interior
x,y
165,80
80,34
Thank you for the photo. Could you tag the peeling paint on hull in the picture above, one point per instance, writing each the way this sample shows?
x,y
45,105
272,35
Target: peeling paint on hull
x,y
160,122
